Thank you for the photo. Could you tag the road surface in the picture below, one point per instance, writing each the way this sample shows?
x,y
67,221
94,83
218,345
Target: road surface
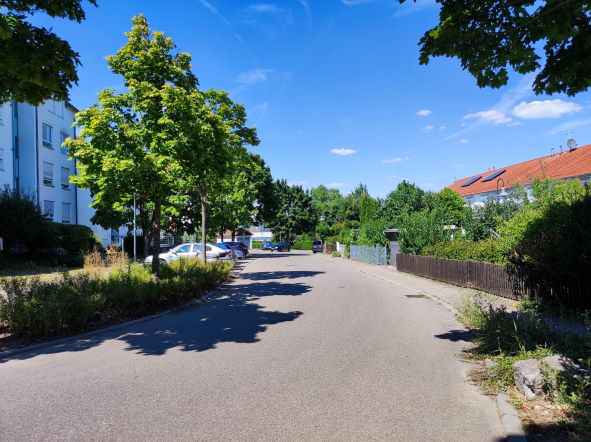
x,y
301,347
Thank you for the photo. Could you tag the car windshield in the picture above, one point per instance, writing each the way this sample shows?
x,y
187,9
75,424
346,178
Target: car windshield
x,y
221,245
175,249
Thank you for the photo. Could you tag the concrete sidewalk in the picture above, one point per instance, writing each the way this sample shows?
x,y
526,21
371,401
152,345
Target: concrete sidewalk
x,y
452,296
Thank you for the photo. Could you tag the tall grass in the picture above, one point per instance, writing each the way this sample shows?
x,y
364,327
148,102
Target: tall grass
x,y
72,303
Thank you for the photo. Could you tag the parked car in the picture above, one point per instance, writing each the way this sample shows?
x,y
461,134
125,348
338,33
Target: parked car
x,y
317,246
240,246
238,251
281,246
267,245
223,251
187,250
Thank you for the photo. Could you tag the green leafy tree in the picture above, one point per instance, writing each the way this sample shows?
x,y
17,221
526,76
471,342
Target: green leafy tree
x,y
129,143
488,36
295,215
481,222
35,64
419,230
326,203
405,199
451,207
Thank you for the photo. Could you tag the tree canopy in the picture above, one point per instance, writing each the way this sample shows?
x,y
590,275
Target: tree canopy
x,y
36,64
489,36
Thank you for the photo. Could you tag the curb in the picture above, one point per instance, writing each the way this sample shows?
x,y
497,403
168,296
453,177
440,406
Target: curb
x,y
510,420
13,352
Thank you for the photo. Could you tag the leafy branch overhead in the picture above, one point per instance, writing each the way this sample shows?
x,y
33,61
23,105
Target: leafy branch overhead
x,y
551,38
35,63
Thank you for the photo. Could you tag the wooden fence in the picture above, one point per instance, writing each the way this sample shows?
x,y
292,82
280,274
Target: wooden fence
x,y
504,280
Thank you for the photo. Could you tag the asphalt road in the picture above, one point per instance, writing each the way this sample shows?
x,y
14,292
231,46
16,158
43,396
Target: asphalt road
x,y
301,347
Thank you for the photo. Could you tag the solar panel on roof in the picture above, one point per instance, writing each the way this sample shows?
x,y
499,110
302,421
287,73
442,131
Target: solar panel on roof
x,y
471,181
493,176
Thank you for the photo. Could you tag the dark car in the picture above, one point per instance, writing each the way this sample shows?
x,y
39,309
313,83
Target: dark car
x,y
240,246
317,246
281,246
267,245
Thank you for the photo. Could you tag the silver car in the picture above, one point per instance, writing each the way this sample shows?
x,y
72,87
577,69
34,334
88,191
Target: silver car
x,y
187,250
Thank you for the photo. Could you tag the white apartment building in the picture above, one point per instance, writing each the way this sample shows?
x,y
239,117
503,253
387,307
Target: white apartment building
x,y
33,160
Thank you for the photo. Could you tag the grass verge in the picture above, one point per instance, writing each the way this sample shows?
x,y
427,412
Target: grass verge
x,y
71,303
502,338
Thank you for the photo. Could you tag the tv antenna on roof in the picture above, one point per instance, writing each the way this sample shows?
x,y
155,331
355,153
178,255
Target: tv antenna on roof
x,y
571,143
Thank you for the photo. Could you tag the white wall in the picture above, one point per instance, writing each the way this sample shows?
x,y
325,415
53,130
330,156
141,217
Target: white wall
x,y
57,116
7,167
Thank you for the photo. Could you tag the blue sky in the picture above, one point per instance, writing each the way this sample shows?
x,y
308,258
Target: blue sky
x,y
335,89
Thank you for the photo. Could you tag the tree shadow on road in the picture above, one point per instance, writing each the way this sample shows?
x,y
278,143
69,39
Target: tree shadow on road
x,y
290,274
457,335
231,315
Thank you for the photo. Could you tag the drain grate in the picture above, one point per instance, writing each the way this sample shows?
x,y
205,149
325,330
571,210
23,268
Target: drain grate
x,y
415,296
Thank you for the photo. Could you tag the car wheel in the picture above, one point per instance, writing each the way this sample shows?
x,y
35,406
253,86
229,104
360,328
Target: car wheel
x,y
162,261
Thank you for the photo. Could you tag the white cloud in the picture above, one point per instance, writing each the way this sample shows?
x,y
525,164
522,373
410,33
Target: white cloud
x,y
254,76
537,110
424,112
335,185
464,140
356,2
442,127
264,8
428,128
394,160
343,151
490,116
392,177
569,125
459,165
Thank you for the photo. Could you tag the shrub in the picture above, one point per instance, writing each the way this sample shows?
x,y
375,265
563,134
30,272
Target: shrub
x,y
419,230
257,244
489,250
75,239
72,303
336,254
23,226
303,244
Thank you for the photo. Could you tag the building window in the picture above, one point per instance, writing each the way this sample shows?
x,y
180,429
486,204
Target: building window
x,y
65,178
66,213
48,209
1,159
48,174
59,108
63,137
47,136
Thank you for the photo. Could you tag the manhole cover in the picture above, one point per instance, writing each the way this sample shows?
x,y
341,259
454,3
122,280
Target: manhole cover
x,y
415,296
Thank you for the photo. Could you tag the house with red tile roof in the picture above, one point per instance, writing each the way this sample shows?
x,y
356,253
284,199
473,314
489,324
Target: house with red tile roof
x,y
494,183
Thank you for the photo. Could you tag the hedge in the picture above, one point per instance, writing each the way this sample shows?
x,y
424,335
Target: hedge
x,y
489,250
303,244
36,308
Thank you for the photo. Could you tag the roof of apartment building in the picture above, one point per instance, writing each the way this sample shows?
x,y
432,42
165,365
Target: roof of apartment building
x,y
566,164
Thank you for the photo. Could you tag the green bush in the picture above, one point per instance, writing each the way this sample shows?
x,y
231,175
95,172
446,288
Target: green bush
x,y
303,244
419,230
75,239
489,250
72,303
336,254
257,244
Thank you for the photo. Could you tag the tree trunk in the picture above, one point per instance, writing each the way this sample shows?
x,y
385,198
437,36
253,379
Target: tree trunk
x,y
222,234
156,230
203,227
233,235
